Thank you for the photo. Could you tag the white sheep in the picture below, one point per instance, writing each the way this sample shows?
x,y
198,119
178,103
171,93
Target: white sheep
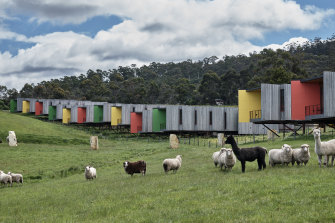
x,y
90,173
5,178
301,155
216,155
280,156
326,149
172,164
227,159
16,177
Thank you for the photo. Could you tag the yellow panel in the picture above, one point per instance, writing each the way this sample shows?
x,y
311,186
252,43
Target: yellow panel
x,y
116,115
66,115
248,101
25,106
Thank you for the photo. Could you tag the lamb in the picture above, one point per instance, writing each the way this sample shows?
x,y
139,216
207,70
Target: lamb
x,y
172,164
216,155
5,178
301,155
326,149
135,167
280,156
248,154
227,159
16,177
90,173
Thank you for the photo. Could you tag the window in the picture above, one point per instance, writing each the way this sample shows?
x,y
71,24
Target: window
x,y
210,118
282,100
195,117
180,116
225,120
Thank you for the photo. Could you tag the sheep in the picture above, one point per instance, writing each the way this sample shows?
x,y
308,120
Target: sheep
x,y
172,164
280,156
5,178
16,177
135,167
248,154
227,159
301,155
90,173
216,155
326,149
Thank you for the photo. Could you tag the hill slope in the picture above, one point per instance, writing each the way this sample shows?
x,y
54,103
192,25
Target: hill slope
x,y
31,130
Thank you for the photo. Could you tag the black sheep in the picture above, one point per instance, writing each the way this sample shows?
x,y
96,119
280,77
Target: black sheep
x,y
135,167
248,154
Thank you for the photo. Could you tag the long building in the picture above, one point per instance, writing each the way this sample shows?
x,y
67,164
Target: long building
x,y
272,107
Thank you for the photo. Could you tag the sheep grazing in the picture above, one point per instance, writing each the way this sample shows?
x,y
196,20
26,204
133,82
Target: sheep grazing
x,y
135,167
5,178
280,156
16,177
90,173
227,159
172,164
326,149
301,155
216,156
248,154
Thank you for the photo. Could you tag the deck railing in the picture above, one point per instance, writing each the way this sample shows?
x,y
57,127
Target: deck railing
x,y
256,114
313,110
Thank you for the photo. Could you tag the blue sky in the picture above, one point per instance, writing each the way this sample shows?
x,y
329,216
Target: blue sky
x,y
45,39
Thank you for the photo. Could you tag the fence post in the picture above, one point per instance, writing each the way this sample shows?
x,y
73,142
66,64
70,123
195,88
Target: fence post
x,y
253,137
209,144
189,140
198,141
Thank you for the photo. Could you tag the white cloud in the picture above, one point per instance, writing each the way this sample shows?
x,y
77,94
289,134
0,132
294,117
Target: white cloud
x,y
152,30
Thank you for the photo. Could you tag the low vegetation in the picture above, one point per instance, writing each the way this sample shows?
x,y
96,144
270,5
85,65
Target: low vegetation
x,y
55,189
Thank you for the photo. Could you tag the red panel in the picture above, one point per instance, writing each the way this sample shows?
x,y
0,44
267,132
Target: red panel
x,y
303,94
81,115
38,108
135,122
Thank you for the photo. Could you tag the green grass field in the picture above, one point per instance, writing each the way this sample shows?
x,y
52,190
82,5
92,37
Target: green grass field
x,y
55,189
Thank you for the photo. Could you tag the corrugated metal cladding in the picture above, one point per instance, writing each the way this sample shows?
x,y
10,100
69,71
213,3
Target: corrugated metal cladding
x,y
286,114
230,122
107,112
19,104
126,109
270,102
46,104
136,122
248,128
329,93
32,105
74,114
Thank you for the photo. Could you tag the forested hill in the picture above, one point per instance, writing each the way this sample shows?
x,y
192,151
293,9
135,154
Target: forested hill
x,y
188,82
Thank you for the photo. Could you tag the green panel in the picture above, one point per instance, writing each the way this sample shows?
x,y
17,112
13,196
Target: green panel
x,y
98,113
13,105
52,113
158,119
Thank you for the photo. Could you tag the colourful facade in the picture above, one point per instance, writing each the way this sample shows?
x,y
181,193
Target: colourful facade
x,y
98,113
135,122
158,119
13,105
52,113
248,101
25,106
66,115
38,108
81,115
116,115
305,94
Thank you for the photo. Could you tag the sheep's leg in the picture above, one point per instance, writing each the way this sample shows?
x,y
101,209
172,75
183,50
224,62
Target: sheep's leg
x,y
243,166
320,160
333,157
327,159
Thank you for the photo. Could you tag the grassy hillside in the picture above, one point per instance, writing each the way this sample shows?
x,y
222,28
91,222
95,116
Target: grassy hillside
x,y
33,130
55,189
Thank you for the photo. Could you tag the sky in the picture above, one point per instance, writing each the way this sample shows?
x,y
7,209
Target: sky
x,y
48,39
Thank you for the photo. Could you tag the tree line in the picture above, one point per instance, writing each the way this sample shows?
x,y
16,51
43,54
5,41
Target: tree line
x,y
188,82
